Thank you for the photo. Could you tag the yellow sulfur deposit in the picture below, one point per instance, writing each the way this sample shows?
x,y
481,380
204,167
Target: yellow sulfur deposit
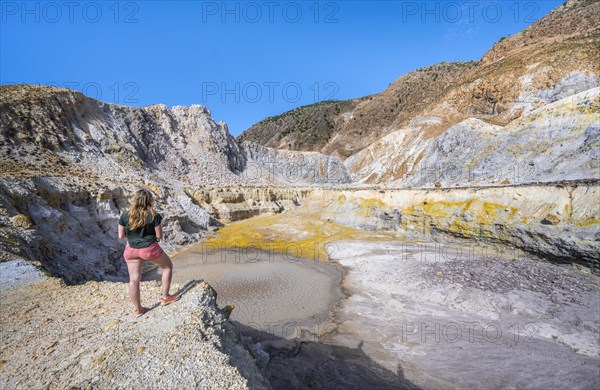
x,y
300,232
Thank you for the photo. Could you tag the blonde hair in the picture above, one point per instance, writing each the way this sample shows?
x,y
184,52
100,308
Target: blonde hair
x,y
142,205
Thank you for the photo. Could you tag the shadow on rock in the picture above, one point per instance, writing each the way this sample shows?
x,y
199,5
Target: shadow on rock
x,y
188,286
301,364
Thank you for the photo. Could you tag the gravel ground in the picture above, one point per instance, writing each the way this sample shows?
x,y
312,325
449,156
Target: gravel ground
x,y
85,336
503,274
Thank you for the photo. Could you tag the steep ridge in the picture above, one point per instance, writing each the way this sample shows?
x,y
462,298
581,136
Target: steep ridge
x,y
571,19
553,59
115,140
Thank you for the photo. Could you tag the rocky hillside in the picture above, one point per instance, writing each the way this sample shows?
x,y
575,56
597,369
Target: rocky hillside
x,y
70,162
58,125
54,336
306,128
342,128
298,167
553,59
558,141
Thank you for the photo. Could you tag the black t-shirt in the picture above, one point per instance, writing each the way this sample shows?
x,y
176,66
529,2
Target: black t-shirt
x,y
143,236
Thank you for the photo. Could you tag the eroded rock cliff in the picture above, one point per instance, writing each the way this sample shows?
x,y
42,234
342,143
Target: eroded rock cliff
x,y
555,222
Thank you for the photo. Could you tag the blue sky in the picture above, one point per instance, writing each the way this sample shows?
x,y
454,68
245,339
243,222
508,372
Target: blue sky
x,y
244,60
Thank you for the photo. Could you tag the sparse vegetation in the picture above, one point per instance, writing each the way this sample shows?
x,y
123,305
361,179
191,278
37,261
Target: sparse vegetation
x,y
310,127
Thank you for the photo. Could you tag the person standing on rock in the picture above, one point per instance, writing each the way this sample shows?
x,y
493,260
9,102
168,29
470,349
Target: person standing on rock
x,y
141,225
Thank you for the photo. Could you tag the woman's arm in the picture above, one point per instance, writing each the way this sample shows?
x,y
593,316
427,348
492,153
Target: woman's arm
x,y
122,232
158,231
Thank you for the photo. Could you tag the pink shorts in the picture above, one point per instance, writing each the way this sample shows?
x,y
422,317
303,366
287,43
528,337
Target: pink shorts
x,y
150,253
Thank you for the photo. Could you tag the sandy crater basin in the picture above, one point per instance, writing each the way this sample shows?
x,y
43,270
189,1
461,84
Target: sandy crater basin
x,y
269,289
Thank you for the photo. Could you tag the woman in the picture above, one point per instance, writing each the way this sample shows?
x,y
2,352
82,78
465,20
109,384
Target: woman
x,y
141,225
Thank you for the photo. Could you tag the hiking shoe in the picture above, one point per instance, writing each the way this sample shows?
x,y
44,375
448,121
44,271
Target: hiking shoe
x,y
169,299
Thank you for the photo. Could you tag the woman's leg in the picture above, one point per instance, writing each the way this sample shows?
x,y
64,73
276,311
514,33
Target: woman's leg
x,y
165,263
135,276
